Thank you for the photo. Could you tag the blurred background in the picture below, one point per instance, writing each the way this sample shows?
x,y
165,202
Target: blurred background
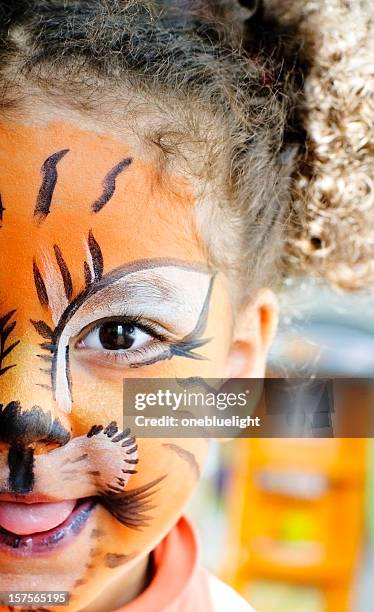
x,y
287,522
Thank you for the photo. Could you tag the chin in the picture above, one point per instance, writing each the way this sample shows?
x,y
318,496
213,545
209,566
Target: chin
x,y
54,560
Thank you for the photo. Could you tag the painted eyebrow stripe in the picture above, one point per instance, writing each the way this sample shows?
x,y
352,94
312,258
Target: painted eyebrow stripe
x,y
64,270
109,184
39,285
49,180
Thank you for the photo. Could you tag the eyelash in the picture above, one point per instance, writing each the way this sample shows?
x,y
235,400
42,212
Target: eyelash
x,y
124,358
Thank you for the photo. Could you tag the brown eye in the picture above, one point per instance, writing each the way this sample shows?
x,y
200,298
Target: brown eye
x,y
115,336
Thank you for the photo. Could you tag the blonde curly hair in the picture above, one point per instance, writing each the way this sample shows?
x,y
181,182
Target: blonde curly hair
x,y
331,230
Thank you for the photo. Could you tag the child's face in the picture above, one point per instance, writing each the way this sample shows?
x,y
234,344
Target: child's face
x,y
102,278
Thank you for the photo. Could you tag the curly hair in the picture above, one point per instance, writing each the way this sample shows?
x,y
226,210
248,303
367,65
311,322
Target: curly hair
x,y
220,87
330,234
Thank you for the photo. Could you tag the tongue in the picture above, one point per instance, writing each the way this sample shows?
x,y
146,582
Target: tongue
x,y
24,519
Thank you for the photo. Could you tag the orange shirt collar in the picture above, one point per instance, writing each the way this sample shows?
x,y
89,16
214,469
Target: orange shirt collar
x,y
176,566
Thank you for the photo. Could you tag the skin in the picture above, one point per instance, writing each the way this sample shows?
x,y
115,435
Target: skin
x,y
150,216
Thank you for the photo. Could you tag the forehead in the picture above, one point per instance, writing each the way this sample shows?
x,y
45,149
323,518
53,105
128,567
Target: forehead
x,y
59,182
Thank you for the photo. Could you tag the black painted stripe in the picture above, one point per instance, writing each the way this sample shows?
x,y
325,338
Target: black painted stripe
x,y
6,329
43,329
109,184
39,285
49,180
87,275
97,256
64,270
68,372
2,209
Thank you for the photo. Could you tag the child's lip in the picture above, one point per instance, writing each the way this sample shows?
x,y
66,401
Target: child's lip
x,y
27,498
24,519
44,542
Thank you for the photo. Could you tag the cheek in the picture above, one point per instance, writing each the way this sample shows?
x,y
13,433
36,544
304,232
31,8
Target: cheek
x,y
98,391
114,546
219,330
180,462
96,401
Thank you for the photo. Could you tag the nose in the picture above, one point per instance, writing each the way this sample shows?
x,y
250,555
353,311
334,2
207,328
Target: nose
x,y
21,431
23,428
29,415
29,418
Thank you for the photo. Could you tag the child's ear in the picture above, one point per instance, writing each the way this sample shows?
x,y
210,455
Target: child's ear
x,y
254,330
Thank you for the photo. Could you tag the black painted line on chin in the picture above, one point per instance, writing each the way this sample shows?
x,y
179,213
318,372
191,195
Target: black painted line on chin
x,y
113,560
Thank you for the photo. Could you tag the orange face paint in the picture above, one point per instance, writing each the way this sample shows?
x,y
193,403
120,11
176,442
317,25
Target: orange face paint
x,y
98,246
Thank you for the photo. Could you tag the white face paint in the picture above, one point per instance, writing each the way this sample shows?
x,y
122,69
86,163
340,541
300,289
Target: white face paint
x,y
172,298
54,285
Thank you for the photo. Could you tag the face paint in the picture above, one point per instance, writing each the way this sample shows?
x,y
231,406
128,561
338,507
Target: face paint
x,y
6,328
109,184
111,283
49,174
1,211
141,287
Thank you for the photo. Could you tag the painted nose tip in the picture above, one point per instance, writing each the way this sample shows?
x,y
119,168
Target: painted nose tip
x,y
21,470
23,428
